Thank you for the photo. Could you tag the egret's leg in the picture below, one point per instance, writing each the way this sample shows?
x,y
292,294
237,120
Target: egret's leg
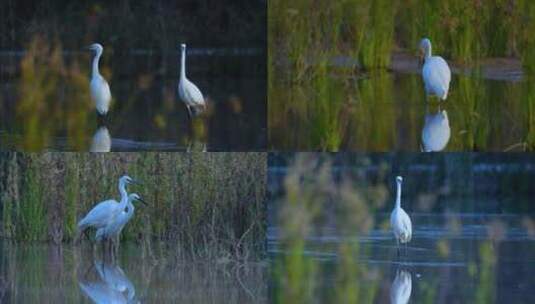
x,y
397,247
189,112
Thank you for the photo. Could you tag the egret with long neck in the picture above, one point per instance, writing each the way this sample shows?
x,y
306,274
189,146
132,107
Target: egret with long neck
x,y
435,72
187,91
100,90
400,220
105,212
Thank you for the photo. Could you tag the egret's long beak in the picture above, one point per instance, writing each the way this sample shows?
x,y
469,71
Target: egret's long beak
x,y
135,182
141,200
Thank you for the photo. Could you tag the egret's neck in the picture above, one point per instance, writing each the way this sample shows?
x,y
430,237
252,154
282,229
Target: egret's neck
x,y
124,194
398,196
130,211
427,53
96,60
183,65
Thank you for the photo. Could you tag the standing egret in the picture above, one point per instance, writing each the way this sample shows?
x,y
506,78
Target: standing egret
x,y
435,72
114,228
100,90
400,220
400,291
187,91
104,212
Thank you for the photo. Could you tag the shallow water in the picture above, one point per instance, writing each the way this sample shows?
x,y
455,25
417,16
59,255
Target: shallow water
x,y
387,111
451,259
146,113
39,273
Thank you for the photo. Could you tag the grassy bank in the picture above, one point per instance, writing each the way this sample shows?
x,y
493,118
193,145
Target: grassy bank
x,y
207,203
303,35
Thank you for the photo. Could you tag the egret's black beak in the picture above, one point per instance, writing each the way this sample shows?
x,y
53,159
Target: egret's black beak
x,y
144,203
135,182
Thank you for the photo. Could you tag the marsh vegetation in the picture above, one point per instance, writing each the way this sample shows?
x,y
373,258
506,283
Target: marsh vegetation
x,y
346,76
329,235
45,71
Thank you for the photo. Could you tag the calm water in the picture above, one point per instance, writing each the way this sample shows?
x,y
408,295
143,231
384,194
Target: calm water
x,y
384,111
146,113
41,273
451,259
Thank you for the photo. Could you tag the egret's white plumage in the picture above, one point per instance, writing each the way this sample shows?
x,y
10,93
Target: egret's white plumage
x,y
114,228
399,219
101,140
105,212
435,72
100,90
115,278
436,132
187,91
400,291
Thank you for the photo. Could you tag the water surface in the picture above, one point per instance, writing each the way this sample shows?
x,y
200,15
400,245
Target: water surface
x,y
40,273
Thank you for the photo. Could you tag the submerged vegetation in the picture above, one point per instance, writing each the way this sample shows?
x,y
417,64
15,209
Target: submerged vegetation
x,y
210,204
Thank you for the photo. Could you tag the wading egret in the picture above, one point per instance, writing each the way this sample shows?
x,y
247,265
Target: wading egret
x,y
187,91
114,228
101,141
104,212
436,132
399,219
400,291
100,90
435,72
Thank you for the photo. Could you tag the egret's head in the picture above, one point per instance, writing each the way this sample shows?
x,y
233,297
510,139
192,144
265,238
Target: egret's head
x,y
183,46
96,47
127,180
399,179
135,197
425,49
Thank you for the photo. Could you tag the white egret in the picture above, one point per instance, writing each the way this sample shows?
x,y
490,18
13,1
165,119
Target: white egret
x,y
114,227
104,212
100,90
101,140
435,72
187,91
400,291
436,132
400,220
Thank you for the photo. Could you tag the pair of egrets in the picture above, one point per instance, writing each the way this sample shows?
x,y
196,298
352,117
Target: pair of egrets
x,y
109,217
188,92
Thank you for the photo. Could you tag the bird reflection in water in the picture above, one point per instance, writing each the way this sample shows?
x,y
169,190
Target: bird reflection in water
x,y
101,141
110,286
436,132
400,291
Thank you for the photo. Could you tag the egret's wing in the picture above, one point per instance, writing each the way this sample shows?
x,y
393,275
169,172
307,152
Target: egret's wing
x,y
437,75
100,91
99,215
194,93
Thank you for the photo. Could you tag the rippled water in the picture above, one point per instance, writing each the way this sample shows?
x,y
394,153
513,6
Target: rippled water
x,y
39,273
453,258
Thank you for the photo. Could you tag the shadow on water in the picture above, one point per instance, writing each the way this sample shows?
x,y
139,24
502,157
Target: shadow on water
x,y
329,233
31,273
384,111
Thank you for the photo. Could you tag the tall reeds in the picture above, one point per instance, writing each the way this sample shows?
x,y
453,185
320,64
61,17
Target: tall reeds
x,y
207,203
